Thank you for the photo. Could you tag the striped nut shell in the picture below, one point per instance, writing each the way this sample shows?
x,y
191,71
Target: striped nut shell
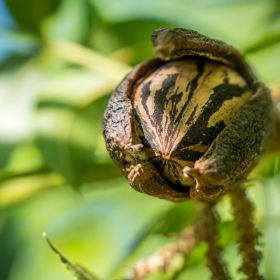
x,y
181,128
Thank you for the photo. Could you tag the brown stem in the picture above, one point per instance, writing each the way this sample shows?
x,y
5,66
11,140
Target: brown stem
x,y
162,259
206,230
248,235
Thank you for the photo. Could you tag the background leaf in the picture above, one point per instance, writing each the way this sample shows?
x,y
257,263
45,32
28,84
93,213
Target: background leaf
x,y
59,62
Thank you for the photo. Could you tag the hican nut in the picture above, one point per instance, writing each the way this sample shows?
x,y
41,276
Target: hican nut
x,y
192,122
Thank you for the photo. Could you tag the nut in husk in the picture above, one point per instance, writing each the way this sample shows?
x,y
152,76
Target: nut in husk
x,y
190,123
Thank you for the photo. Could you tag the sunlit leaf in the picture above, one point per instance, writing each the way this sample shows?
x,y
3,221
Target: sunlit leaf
x,y
96,229
265,64
204,16
18,93
71,142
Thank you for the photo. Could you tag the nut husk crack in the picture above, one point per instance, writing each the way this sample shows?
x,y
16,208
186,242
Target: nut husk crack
x,y
190,124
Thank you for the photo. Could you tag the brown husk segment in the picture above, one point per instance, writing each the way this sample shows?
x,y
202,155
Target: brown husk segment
x,y
236,150
117,124
174,43
126,144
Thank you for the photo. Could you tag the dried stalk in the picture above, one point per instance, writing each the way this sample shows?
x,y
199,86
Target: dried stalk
x,y
80,272
206,230
248,234
162,259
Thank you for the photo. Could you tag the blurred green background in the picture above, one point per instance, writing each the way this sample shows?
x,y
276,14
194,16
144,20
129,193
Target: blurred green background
x,y
59,62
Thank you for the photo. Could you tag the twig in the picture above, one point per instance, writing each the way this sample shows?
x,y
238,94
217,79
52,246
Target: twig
x,y
248,235
75,53
206,230
80,272
162,259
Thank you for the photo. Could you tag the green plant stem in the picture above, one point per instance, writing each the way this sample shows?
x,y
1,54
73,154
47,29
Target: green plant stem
x,y
20,188
75,53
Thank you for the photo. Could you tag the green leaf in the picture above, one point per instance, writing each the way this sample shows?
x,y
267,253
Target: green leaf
x,y
30,13
69,22
203,16
18,93
19,90
70,114
179,216
71,142
265,63
96,227
9,243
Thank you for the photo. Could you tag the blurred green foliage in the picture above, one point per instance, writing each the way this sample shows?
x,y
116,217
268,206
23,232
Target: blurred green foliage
x,y
59,62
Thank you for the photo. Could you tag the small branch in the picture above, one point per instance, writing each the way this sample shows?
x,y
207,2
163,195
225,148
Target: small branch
x,y
248,235
162,259
75,53
206,230
80,272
